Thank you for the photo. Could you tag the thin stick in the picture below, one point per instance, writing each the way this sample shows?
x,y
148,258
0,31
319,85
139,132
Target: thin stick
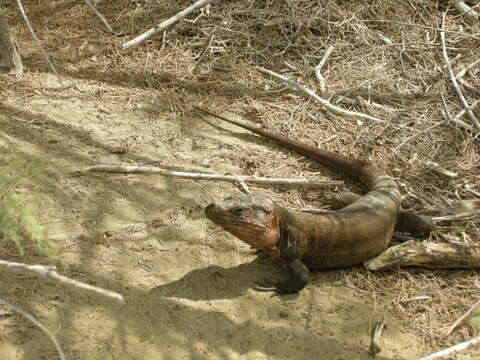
x,y
454,120
449,351
423,27
318,99
138,169
48,272
416,298
37,323
204,52
457,122
463,317
470,113
99,15
167,23
318,71
455,217
465,9
39,44
436,167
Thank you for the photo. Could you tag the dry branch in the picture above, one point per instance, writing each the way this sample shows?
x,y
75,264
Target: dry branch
x,y
436,167
426,254
39,44
318,71
48,272
320,100
99,15
37,323
167,23
453,349
459,92
138,169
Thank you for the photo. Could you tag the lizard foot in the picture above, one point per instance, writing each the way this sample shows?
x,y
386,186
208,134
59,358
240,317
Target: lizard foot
x,y
278,288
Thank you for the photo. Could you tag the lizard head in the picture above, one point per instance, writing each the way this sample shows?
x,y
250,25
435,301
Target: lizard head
x,y
250,218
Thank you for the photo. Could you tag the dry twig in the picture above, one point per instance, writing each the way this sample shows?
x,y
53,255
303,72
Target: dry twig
x,y
318,71
455,120
99,15
49,272
453,349
167,23
459,92
39,44
320,100
37,323
138,169
436,167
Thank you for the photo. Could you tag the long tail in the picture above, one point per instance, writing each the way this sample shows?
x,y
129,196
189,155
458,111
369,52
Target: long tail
x,y
357,169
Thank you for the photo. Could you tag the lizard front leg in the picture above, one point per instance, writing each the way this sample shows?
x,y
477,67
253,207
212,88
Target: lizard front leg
x,y
297,280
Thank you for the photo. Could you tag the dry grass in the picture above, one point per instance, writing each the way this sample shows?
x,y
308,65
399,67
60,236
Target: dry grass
x,y
385,51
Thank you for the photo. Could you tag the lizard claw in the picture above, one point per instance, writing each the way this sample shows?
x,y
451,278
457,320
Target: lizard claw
x,y
264,286
278,288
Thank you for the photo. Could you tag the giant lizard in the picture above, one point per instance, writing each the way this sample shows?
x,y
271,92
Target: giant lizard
x,y
304,242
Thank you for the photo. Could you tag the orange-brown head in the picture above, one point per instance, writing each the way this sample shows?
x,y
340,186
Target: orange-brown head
x,y
252,219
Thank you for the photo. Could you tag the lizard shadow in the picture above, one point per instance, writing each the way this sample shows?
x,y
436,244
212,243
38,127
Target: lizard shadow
x,y
216,282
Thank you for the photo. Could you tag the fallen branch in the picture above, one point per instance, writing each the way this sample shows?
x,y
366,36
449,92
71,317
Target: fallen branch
x,y
318,71
48,272
320,100
99,15
459,92
167,23
449,351
138,169
39,44
436,167
37,323
426,254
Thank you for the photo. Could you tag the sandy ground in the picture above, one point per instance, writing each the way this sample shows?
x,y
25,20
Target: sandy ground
x,y
186,283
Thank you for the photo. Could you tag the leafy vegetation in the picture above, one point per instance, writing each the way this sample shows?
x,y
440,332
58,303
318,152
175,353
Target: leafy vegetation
x,y
17,213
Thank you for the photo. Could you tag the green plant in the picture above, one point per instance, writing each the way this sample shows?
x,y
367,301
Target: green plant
x,y
474,321
17,220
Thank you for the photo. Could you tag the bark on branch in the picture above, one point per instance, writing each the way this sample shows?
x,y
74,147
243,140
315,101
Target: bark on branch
x,y
49,272
427,254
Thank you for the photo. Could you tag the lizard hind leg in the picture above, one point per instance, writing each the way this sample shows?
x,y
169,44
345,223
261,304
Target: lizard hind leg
x,y
407,222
